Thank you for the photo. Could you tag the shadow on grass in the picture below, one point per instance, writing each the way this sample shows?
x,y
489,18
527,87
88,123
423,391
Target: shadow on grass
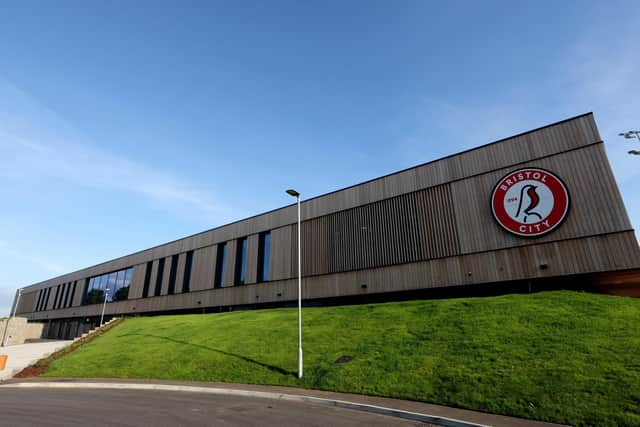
x,y
226,353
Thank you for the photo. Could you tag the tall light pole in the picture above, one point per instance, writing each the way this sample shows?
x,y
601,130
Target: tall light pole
x,y
6,328
295,194
632,134
104,305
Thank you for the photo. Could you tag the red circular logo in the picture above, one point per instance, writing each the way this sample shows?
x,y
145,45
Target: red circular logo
x,y
530,202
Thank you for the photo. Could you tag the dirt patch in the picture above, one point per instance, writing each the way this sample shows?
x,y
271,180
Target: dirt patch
x,y
31,371
42,365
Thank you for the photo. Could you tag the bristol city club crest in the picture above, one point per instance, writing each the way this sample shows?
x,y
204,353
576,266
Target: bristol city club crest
x,y
530,202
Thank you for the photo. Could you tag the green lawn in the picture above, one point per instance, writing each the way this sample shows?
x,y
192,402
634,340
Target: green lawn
x,y
559,356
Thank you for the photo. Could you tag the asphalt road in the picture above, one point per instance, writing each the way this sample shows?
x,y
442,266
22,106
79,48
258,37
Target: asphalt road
x,y
86,407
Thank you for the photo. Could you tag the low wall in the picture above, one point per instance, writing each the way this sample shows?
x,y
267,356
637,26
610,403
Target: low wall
x,y
20,330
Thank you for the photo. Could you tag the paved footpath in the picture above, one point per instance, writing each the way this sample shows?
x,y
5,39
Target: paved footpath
x,y
23,355
230,404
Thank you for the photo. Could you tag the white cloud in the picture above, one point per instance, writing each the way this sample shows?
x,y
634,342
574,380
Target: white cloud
x,y
39,151
35,143
10,253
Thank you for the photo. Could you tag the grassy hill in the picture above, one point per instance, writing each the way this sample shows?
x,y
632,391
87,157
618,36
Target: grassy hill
x,y
558,356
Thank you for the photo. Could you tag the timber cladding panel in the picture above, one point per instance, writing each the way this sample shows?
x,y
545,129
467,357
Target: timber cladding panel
x,y
203,268
431,224
281,259
398,230
591,254
596,204
27,302
137,281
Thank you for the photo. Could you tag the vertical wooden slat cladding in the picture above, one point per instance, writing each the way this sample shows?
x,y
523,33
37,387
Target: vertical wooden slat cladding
x,y
399,230
166,275
155,266
180,272
570,134
230,264
597,206
252,259
80,292
137,281
204,261
27,302
427,226
280,260
436,231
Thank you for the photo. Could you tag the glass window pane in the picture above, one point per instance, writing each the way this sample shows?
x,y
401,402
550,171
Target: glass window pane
x,y
111,285
128,275
241,261
119,281
265,265
123,281
221,259
223,263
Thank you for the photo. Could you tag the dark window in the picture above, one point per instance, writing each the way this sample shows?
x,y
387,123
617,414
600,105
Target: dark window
x,y
264,242
118,286
46,301
147,280
38,300
63,291
186,280
159,276
123,281
73,293
87,287
57,298
221,259
172,274
241,261
95,294
95,291
114,286
66,295
111,285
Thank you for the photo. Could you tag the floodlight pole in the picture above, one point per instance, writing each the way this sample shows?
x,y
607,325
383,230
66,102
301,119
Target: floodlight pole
x,y
104,305
295,194
6,327
299,295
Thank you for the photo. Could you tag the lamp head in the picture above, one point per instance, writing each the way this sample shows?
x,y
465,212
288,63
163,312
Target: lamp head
x,y
630,134
293,193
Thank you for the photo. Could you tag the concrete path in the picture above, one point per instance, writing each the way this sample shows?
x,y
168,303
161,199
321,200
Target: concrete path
x,y
408,411
23,355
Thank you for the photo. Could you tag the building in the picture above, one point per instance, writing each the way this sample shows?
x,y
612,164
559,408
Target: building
x,y
523,211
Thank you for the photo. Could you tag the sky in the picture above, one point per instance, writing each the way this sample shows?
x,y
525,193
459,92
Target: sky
x,y
124,125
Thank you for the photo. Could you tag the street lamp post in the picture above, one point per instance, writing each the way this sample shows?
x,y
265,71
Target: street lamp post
x,y
6,328
104,305
632,134
295,194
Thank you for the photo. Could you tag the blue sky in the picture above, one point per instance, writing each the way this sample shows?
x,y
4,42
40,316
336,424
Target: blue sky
x,y
125,125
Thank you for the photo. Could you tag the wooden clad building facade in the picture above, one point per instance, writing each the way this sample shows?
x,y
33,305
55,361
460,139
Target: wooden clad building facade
x,y
429,226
